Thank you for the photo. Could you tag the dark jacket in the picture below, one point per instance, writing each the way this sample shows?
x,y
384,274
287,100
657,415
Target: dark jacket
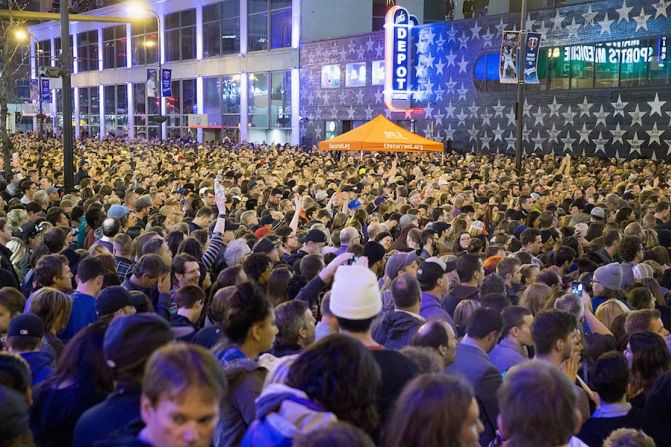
x,y
397,329
182,321
238,410
160,301
41,365
117,411
474,365
6,263
283,350
457,295
595,430
208,336
396,370
288,421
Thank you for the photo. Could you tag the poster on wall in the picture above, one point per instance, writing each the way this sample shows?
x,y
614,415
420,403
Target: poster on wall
x,y
531,58
166,82
510,45
152,81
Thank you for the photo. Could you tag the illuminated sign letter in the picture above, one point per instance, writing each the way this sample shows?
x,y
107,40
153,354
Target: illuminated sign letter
x,y
397,55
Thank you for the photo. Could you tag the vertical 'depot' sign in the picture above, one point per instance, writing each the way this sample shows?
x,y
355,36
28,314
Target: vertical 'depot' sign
x,y
398,23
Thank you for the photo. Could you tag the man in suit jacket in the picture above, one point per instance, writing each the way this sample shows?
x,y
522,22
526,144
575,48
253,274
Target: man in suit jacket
x,y
472,362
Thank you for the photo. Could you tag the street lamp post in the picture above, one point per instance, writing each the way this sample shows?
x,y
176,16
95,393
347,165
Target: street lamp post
x,y
24,35
519,122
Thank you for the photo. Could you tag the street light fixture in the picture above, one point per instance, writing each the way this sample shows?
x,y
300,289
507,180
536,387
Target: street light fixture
x,y
135,10
23,35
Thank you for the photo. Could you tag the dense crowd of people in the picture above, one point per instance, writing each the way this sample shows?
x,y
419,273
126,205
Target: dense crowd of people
x,y
189,294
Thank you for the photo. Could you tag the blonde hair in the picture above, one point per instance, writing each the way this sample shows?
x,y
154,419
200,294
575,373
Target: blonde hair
x,y
53,307
536,297
609,310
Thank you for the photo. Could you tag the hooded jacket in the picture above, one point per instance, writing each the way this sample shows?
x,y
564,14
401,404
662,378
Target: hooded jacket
x,y
41,365
459,293
283,413
397,329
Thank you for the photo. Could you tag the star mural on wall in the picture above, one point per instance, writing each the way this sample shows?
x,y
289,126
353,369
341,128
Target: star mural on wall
x,y
440,42
637,116
474,108
359,96
557,21
498,133
449,132
378,96
600,144
661,8
486,117
449,110
635,144
656,106
569,116
623,12
585,107
452,34
642,20
463,65
379,51
654,134
539,116
554,134
439,66
451,58
538,141
350,113
462,92
487,38
428,112
473,132
498,109
573,29
501,27
370,44
543,30
438,117
461,116
463,41
511,141
554,107
450,86
601,116
589,16
568,141
605,24
618,134
511,117
584,134
475,30
619,106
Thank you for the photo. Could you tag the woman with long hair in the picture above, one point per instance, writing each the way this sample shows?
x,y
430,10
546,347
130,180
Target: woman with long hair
x,y
276,290
434,410
80,380
536,296
648,358
54,309
336,378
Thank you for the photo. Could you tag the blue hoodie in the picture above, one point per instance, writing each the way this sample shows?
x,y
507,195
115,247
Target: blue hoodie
x,y
41,365
283,413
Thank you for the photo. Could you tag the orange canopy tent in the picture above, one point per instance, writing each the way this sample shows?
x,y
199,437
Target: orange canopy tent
x,y
380,135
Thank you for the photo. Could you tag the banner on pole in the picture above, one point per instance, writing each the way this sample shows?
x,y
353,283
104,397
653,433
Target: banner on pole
x,y
34,90
510,45
152,82
46,91
166,82
531,58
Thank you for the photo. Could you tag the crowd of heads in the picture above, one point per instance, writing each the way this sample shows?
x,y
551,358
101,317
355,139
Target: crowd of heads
x,y
259,295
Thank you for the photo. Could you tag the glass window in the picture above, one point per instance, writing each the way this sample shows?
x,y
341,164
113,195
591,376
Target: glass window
x,y
258,100
380,8
172,103
634,56
258,31
180,35
582,65
114,42
144,43
377,73
189,96
660,66
211,30
44,55
355,74
110,100
559,67
280,28
280,114
254,6
139,98
212,100
331,76
230,90
230,35
269,24
606,71
87,51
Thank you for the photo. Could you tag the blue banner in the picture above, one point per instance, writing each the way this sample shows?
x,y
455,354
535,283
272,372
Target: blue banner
x,y
34,90
46,91
166,82
531,58
152,82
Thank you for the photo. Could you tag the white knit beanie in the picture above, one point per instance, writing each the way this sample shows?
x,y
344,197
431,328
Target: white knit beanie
x,y
355,294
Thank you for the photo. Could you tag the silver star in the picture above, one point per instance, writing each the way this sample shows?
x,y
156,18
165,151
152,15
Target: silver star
x,y
370,44
449,132
334,112
359,96
498,133
498,109
487,38
351,46
526,134
589,16
529,26
619,106
427,132
511,141
637,116
573,29
438,117
512,119
655,134
501,27
450,86
486,140
430,36
661,7
408,114
463,41
585,107
326,98
379,50
486,117
635,143
475,30
449,110
584,134
369,112
538,141
378,96
360,53
618,134
539,116
642,20
463,65
568,141
462,92
474,108
526,109
543,30
318,133
343,54
451,34
428,112
569,116
600,144
461,117
440,93
605,24
439,66
387,113
473,132
350,113
557,21
656,105
554,107
451,57
623,12
440,42
554,133
601,116
343,97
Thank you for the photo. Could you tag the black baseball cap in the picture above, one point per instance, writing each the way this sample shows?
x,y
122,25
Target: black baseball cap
x,y
432,269
315,235
26,325
114,298
265,245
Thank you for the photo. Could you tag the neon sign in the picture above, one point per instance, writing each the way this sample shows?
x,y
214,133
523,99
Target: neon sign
x,y
397,56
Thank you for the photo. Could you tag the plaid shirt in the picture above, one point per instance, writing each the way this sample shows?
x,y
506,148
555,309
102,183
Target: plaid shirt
x,y
124,267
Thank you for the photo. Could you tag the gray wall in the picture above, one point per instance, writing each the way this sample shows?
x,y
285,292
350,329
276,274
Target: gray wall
x,y
322,19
